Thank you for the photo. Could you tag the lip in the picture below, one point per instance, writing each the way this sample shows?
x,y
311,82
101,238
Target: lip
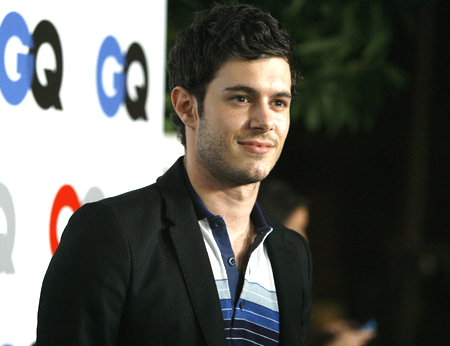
x,y
256,146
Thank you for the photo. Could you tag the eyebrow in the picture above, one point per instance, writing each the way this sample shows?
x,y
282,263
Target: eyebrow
x,y
250,90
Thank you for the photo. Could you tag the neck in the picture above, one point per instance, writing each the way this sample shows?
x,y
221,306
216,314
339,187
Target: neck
x,y
234,203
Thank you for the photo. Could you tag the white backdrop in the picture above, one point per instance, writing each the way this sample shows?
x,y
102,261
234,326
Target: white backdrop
x,y
80,147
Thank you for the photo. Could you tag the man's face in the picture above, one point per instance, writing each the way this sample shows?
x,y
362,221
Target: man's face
x,y
245,120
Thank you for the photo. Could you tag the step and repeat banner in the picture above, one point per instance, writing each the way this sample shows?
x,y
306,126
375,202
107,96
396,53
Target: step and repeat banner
x,y
81,118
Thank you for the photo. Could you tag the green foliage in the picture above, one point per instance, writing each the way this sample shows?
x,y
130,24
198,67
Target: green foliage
x,y
343,49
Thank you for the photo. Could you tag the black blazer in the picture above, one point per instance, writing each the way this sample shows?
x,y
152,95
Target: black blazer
x,y
133,270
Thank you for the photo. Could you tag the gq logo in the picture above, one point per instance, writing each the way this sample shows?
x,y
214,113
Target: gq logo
x,y
110,104
22,76
67,197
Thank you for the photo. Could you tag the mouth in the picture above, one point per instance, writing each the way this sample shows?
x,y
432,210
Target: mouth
x,y
257,146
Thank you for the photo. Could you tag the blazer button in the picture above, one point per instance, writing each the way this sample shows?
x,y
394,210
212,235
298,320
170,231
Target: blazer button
x,y
232,261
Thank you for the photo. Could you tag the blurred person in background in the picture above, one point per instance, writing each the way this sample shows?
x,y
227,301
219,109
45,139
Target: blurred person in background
x,y
329,323
284,205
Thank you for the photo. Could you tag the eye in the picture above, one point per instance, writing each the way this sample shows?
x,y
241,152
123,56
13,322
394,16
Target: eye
x,y
280,103
240,99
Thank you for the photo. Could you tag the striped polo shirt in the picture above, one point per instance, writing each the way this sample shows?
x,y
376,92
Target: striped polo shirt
x,y
249,302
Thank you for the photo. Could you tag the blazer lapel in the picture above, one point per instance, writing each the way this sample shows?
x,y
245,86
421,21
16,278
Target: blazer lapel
x,y
285,262
192,255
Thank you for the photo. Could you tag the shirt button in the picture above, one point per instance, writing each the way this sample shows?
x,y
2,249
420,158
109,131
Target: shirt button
x,y
232,261
218,223
241,304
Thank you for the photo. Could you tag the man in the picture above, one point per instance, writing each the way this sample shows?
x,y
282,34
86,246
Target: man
x,y
191,260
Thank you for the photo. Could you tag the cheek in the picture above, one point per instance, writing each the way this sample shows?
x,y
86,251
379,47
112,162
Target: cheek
x,y
283,128
232,124
224,119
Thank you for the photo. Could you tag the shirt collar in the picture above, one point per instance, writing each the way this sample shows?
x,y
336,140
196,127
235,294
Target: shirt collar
x,y
202,212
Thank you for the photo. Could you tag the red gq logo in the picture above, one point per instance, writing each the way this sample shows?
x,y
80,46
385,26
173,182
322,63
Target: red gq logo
x,y
67,197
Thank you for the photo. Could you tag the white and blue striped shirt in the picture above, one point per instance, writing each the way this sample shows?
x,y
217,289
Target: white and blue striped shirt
x,y
249,302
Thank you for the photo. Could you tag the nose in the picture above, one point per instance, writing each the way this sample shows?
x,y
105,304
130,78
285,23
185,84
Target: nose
x,y
262,118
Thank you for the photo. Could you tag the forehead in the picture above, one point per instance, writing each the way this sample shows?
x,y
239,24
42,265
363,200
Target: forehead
x,y
272,73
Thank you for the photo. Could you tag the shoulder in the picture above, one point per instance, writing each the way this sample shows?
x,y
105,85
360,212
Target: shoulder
x,y
150,199
126,216
293,242
134,202
288,234
147,197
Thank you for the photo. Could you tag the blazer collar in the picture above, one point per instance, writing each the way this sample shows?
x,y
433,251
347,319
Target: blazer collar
x,y
192,255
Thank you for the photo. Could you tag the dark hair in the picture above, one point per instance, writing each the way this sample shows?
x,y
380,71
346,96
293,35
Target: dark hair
x,y
279,199
218,34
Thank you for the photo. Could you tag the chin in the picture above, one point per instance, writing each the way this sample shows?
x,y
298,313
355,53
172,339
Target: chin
x,y
257,174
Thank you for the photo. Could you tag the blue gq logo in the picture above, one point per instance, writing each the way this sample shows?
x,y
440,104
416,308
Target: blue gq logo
x,y
14,91
110,104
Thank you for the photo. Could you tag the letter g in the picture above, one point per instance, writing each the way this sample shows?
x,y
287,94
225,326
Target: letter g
x,y
15,91
110,105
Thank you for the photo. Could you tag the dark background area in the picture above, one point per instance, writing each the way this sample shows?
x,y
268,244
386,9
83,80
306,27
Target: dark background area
x,y
379,199
367,254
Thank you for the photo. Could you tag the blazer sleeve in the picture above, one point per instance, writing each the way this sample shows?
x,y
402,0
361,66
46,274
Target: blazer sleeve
x,y
307,290
85,286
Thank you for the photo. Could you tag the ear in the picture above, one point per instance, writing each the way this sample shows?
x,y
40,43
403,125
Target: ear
x,y
185,104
